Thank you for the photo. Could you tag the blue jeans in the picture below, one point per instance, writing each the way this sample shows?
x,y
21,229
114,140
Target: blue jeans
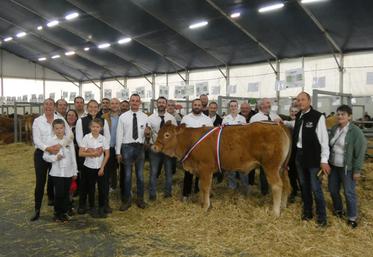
x,y
232,182
133,154
156,162
339,176
310,184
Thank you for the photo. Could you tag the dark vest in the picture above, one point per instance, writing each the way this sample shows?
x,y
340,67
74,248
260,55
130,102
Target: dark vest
x,y
218,121
310,143
85,124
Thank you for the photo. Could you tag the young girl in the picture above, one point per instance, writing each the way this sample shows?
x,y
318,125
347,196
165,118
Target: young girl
x,y
95,148
63,169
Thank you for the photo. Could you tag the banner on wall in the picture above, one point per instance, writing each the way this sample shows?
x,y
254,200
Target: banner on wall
x,y
65,94
294,78
2,100
140,91
253,87
163,91
215,90
123,94
202,88
232,89
40,98
24,98
33,99
72,96
19,98
179,91
88,95
318,82
52,95
107,93
280,85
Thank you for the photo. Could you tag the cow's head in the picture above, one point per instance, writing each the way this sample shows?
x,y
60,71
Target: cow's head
x,y
167,139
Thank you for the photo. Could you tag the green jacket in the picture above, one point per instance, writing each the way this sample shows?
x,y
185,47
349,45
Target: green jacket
x,y
355,147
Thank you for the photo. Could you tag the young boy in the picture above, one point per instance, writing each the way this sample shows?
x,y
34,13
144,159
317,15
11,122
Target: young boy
x,y
96,151
63,169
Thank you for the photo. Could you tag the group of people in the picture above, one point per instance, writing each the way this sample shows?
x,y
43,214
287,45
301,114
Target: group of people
x,y
89,147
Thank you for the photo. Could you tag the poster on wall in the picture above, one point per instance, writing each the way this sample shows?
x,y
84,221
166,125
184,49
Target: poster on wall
x,y
72,96
140,91
294,78
253,87
108,93
215,90
189,91
33,99
52,95
279,85
88,95
232,89
40,98
318,82
370,78
65,94
123,94
336,101
179,92
24,98
202,88
2,100
163,91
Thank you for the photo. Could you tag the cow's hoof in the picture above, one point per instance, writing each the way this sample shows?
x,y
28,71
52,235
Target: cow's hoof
x,y
276,214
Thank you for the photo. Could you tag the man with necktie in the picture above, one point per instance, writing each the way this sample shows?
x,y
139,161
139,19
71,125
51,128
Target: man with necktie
x,y
131,132
156,121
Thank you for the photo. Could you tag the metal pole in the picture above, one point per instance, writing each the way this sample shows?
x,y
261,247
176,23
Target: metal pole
x,y
278,79
303,73
341,75
15,123
80,88
101,89
227,81
153,86
1,72
43,70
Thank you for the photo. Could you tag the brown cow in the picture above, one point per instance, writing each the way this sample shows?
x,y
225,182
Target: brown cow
x,y
242,148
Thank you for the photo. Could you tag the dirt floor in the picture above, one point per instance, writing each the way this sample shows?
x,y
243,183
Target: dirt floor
x,y
235,226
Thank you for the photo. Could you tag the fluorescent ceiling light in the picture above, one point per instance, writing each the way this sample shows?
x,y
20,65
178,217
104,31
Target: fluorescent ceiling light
x,y
53,23
72,16
70,53
104,45
8,39
124,40
311,1
271,7
42,59
40,27
235,15
21,34
56,56
86,49
198,25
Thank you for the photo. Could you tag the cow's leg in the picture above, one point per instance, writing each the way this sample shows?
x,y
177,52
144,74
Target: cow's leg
x,y
275,181
205,179
285,188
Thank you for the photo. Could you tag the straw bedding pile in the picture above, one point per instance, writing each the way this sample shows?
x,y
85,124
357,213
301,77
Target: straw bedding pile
x,y
235,226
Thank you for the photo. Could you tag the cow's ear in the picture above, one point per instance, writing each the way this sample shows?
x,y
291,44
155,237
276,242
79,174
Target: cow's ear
x,y
169,122
180,128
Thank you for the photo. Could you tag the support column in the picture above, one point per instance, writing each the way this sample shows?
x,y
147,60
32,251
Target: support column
x,y
1,73
153,86
227,81
303,72
278,79
80,88
101,89
43,71
341,75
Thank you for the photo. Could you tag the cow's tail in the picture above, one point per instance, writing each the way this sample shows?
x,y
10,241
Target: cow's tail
x,y
284,169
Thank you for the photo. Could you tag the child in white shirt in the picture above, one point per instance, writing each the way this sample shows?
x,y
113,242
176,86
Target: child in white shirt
x,y
63,170
96,150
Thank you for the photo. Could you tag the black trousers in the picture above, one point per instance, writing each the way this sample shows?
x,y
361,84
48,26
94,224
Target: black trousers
x,y
174,164
263,180
293,177
41,171
111,169
88,188
188,184
61,197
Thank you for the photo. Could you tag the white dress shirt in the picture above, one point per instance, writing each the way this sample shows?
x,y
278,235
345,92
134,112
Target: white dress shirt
x,y
260,116
89,141
338,143
230,120
322,135
155,123
79,132
196,121
66,167
42,131
124,129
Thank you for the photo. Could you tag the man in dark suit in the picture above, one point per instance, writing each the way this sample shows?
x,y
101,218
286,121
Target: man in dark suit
x,y
216,119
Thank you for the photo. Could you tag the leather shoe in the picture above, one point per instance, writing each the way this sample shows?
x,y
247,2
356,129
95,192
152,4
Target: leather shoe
x,y
352,223
36,215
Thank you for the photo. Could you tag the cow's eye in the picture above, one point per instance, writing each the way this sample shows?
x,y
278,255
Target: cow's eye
x,y
166,135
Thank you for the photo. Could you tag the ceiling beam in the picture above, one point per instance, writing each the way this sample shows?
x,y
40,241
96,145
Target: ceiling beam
x,y
89,79
134,39
58,45
177,32
246,32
